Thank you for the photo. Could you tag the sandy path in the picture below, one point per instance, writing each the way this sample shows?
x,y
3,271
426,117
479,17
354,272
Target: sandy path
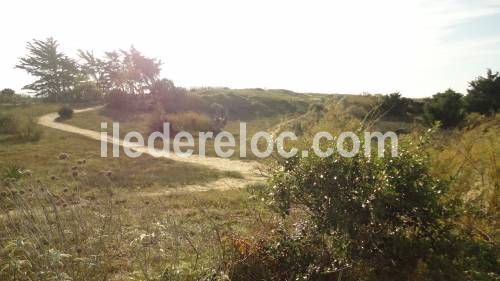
x,y
248,169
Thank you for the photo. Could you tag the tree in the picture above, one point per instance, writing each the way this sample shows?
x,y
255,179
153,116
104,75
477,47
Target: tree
x,y
130,71
162,90
57,73
484,94
96,69
447,107
7,93
395,105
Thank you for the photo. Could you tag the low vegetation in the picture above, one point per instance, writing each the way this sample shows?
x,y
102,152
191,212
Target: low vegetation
x,y
66,213
65,112
20,128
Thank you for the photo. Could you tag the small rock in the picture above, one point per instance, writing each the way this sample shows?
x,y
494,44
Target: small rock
x,y
63,156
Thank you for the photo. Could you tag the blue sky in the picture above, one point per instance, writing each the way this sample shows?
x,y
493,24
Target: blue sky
x,y
415,47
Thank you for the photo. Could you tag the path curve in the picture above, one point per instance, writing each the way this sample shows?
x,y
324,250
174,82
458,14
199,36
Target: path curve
x,y
248,169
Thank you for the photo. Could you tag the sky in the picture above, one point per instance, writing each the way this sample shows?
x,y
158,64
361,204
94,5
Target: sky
x,y
417,48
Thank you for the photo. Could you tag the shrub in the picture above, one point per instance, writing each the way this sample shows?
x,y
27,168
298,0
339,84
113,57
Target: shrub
x,y
484,94
7,95
287,255
184,121
7,92
219,116
117,101
8,124
365,219
23,129
190,121
28,130
447,107
65,112
395,105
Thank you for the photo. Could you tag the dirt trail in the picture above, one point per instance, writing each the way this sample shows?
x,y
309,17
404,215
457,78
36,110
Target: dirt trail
x,y
248,169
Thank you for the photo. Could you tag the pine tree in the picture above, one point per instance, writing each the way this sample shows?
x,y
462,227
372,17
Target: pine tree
x,y
56,73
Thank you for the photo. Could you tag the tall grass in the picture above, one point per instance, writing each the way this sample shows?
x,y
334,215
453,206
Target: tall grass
x,y
20,128
47,234
183,121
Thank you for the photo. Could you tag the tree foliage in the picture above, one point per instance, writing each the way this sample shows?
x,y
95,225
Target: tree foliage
x,y
56,73
394,105
446,107
484,94
7,93
96,70
130,71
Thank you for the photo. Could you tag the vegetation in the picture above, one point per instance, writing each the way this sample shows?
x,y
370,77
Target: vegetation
x,y
56,73
65,112
9,97
19,128
66,213
368,219
447,107
484,94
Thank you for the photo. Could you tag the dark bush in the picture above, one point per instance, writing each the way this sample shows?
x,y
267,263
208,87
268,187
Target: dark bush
x,y
394,105
8,124
447,107
484,94
65,112
7,92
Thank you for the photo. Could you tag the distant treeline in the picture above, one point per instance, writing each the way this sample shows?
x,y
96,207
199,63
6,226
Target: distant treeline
x,y
129,82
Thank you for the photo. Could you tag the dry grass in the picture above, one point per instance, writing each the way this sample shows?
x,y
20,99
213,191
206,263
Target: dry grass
x,y
120,236
69,214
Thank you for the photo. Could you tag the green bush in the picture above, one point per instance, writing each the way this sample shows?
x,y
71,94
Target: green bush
x,y
7,92
365,219
484,94
12,171
447,107
28,130
7,124
22,129
65,112
9,96
395,105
